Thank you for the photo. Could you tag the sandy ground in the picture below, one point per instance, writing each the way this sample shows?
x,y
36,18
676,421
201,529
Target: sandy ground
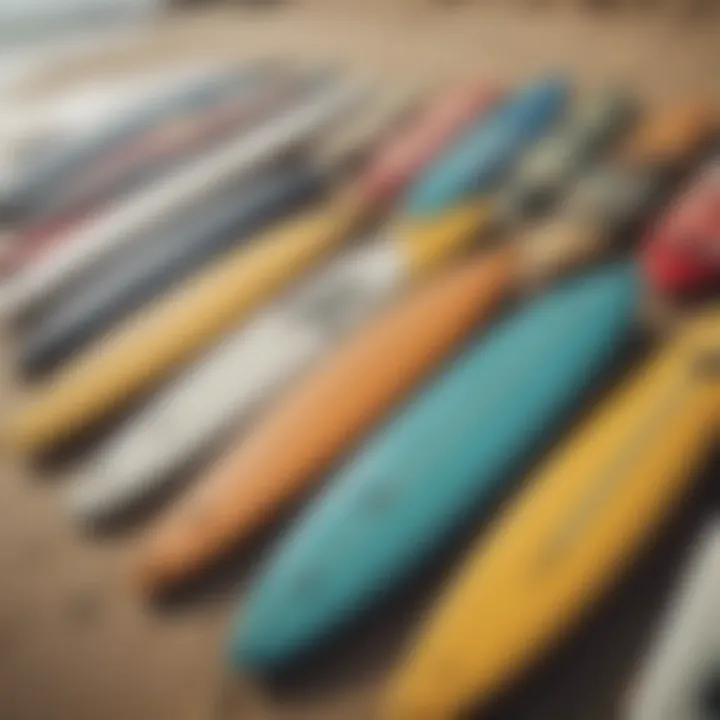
x,y
75,643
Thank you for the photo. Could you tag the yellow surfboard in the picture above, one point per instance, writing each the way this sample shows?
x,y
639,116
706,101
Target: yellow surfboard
x,y
576,526
169,331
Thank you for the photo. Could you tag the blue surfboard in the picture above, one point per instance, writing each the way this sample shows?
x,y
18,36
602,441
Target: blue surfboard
x,y
390,509
478,161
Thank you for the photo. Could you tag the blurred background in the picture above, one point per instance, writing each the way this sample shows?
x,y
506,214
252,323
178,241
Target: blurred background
x,y
76,641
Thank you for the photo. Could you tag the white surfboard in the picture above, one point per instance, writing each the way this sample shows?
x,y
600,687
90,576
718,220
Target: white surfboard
x,y
680,679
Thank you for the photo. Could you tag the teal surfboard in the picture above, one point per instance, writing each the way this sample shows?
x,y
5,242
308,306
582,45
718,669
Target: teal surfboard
x,y
392,506
480,159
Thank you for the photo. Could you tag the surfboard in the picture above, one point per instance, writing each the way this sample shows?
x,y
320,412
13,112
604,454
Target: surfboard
x,y
576,525
680,675
447,452
291,446
478,160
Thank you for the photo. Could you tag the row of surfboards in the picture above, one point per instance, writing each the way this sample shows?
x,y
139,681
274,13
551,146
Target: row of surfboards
x,y
403,328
